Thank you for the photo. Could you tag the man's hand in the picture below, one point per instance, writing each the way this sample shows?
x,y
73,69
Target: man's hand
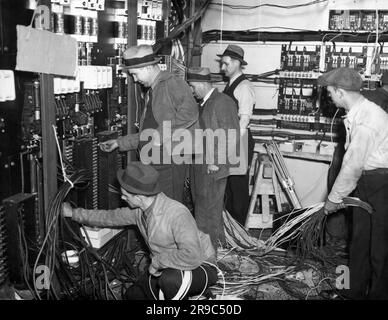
x,y
109,145
331,207
153,271
211,168
67,210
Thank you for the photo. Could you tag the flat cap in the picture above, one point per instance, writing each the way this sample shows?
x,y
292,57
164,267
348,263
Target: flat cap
x,y
344,78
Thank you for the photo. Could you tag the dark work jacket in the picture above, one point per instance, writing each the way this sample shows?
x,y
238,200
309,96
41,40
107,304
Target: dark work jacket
x,y
172,100
220,112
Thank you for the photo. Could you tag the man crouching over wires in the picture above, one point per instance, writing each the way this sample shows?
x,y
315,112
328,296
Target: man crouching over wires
x,y
183,258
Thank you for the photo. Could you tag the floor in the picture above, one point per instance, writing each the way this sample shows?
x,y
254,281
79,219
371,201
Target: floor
x,y
252,275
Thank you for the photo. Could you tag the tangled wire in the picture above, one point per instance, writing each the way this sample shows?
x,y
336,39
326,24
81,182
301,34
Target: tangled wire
x,y
95,271
306,229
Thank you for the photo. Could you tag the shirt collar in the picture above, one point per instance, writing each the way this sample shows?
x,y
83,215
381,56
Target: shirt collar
x,y
149,210
231,80
205,98
156,79
352,113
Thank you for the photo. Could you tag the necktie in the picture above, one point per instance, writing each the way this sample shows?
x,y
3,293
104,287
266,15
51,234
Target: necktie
x,y
144,222
147,107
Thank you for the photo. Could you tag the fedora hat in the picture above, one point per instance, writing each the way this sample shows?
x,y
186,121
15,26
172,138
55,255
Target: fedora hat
x,y
139,178
139,56
199,75
235,52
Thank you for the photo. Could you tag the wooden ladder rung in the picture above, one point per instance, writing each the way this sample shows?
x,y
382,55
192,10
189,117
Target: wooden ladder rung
x,y
265,186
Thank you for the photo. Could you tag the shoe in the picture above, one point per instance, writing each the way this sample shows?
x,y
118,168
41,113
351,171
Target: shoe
x,y
332,295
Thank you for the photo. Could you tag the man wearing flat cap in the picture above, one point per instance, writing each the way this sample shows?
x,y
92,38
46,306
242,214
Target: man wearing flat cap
x,y
365,170
241,91
182,257
168,100
217,112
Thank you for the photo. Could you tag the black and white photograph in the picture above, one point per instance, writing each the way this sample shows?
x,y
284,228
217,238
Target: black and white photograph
x,y
222,153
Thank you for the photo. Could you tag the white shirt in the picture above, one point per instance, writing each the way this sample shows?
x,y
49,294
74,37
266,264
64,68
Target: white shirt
x,y
207,96
366,146
245,95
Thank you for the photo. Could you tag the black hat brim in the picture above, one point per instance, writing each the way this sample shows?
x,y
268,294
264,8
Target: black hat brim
x,y
243,62
141,65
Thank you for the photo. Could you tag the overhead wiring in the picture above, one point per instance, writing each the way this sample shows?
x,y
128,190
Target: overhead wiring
x,y
243,7
294,34
186,24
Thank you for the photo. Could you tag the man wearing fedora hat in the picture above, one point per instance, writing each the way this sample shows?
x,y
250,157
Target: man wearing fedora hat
x,y
217,112
365,170
168,99
182,257
241,91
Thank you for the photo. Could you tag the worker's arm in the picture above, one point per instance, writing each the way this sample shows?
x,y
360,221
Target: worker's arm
x,y
361,145
246,98
101,218
189,253
126,143
244,122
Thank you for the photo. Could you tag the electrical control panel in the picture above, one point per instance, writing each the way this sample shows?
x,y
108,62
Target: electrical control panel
x,y
84,111
358,20
302,106
297,104
337,58
24,226
300,62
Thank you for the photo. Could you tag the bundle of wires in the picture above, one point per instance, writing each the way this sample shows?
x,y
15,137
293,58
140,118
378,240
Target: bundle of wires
x,y
237,236
237,282
91,271
49,249
306,229
247,263
91,276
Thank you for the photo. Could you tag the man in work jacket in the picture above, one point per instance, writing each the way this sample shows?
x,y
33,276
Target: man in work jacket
x,y
218,117
168,101
182,257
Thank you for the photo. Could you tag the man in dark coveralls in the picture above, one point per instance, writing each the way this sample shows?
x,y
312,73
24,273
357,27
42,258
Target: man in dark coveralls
x,y
168,100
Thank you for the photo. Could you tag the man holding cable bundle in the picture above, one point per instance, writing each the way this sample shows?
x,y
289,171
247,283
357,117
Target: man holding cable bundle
x,y
182,257
364,169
